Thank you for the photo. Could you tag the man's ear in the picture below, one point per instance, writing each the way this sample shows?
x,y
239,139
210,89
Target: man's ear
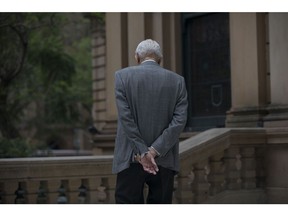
x,y
137,59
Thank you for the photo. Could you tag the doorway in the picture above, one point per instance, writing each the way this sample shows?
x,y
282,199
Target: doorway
x,y
206,63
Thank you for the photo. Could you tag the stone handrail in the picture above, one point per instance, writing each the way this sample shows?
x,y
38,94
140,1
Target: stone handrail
x,y
79,179
217,166
221,160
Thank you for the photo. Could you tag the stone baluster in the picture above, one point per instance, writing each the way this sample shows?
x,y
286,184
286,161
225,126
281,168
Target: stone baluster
x,y
62,198
52,190
20,193
72,193
111,183
9,188
183,193
42,193
102,194
83,197
92,185
233,164
248,171
32,188
216,177
200,185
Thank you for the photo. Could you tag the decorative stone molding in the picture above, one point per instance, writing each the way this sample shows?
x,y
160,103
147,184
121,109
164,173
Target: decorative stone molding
x,y
246,117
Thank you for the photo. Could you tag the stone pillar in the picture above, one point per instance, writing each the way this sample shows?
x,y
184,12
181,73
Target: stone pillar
x,y
116,58
176,46
278,47
162,27
136,34
166,30
248,70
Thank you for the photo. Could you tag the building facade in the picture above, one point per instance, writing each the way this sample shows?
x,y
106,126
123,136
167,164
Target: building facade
x,y
234,64
235,69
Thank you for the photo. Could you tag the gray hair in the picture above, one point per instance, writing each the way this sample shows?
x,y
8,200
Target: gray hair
x,y
149,48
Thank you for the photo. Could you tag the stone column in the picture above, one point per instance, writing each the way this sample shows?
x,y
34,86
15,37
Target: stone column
x,y
166,31
116,58
123,33
248,70
176,46
278,38
136,34
162,27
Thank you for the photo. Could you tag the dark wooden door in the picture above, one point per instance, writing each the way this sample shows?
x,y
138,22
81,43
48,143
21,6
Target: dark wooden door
x,y
207,69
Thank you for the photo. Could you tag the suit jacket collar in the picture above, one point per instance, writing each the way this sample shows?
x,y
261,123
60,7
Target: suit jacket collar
x,y
149,63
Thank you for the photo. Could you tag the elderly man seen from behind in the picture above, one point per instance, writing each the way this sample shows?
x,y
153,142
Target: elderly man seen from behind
x,y
152,112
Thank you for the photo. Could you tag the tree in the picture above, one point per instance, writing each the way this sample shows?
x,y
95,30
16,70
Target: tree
x,y
35,67
14,46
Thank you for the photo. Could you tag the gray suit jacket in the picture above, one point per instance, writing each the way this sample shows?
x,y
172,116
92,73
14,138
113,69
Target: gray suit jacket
x,y
152,111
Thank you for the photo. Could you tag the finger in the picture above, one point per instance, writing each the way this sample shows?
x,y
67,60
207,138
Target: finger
x,y
149,165
150,170
154,164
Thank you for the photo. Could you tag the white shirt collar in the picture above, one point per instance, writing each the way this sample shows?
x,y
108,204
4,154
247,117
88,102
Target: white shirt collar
x,y
148,60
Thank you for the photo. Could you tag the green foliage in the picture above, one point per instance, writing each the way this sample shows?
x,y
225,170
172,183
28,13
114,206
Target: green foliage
x,y
56,74
99,16
66,93
13,148
82,80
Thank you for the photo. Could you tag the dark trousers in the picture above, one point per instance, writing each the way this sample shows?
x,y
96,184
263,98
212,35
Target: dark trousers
x,y
130,185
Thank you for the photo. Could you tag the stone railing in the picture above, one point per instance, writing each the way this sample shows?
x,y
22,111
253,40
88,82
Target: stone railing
x,y
79,179
222,166
217,166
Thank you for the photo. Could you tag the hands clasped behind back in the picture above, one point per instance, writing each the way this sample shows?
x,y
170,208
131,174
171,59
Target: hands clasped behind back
x,y
148,163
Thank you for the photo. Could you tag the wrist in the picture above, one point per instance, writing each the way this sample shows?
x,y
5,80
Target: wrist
x,y
152,152
143,155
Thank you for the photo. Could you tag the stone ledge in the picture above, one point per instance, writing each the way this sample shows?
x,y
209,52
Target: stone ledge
x,y
256,196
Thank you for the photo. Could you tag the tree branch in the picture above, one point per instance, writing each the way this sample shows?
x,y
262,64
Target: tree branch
x,y
24,42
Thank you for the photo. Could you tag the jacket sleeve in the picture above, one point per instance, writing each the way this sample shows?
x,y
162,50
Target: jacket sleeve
x,y
170,136
125,117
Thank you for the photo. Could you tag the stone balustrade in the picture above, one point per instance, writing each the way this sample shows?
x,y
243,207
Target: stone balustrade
x,y
217,166
79,179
